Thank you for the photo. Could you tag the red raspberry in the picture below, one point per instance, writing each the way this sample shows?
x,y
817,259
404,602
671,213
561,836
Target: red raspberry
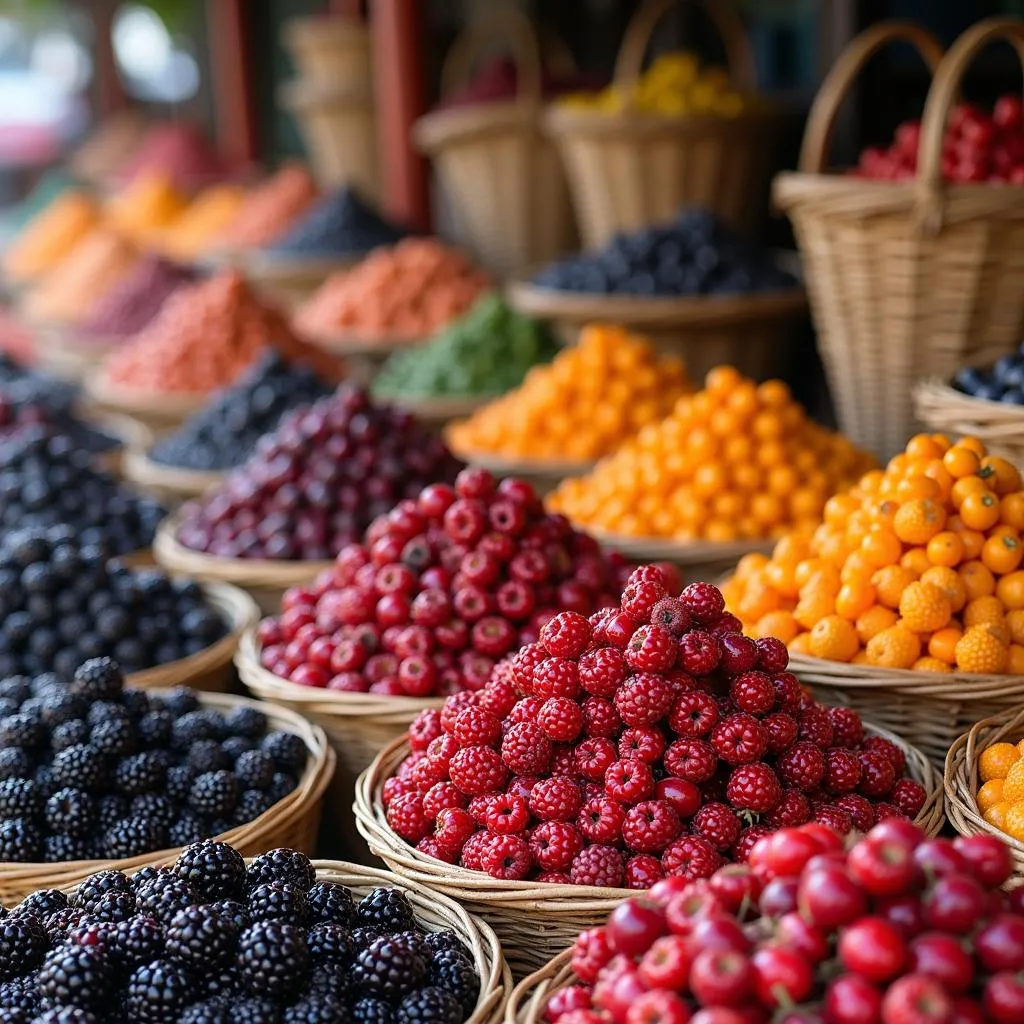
x,y
600,718
526,750
803,766
693,714
739,653
629,781
477,770
884,809
506,857
590,952
644,699
748,839
772,655
603,671
847,728
556,677
506,814
645,744
554,845
753,692
522,785
639,599
699,653
843,772
816,726
525,710
475,727
442,748
652,649
566,635
499,695
440,796
562,878
493,636
425,726
753,787
432,847
739,739
642,871
600,820
555,799
452,827
593,756
431,608
781,730
472,851
718,824
427,772
661,573
572,997
454,706
692,857
405,815
859,809
835,817
524,662
563,760
789,694
703,601
670,615
909,796
892,753
692,760
597,865
561,719
474,482
727,624
792,810
650,826
396,786
877,774
619,629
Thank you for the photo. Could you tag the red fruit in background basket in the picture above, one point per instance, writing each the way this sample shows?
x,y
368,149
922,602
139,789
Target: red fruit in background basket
x,y
872,948
986,857
1004,998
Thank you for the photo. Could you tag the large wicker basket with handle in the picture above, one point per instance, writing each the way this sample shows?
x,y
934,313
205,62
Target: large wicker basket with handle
x,y
906,279
629,169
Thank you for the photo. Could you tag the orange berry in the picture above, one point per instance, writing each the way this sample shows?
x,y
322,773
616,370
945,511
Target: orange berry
x,y
918,486
1015,624
983,610
918,520
924,608
916,560
949,582
881,547
961,462
945,548
924,446
930,665
978,581
873,621
995,761
813,607
853,599
779,624
942,644
1015,660
895,647
1011,510
979,650
975,444
990,794
980,511
965,487
1002,476
834,639
800,644
1002,554
1013,780
890,582
996,815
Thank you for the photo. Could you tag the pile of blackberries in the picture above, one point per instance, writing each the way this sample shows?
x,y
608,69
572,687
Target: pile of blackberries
x,y
17,414
91,770
210,941
695,254
28,385
46,479
223,434
1003,381
64,600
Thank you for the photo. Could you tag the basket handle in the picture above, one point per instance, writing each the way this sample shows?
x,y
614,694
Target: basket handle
x,y
822,117
510,27
941,95
739,53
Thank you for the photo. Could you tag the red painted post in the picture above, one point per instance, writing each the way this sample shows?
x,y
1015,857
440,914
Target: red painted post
x,y
110,93
232,80
346,8
397,33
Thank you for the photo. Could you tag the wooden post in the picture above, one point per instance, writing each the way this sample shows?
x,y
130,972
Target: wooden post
x,y
110,94
397,33
232,81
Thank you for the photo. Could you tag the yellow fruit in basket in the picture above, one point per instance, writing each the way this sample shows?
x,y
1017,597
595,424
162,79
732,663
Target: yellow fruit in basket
x,y
929,664
873,621
980,650
990,794
834,638
996,815
1013,784
895,647
996,761
924,608
1013,823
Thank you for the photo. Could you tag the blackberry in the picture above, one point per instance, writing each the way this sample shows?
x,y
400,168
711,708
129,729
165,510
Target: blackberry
x,y
138,941
255,769
78,976
251,804
387,910
282,785
207,756
180,701
98,885
331,943
43,903
131,837
156,808
16,688
115,738
155,727
58,848
178,782
20,841
148,875
287,750
140,773
163,898
214,794
209,1011
14,763
23,944
245,721
136,703
316,1009
98,679
70,811
414,940
157,992
253,1011
111,808
452,970
326,979
186,829
115,907
202,940
233,911
332,904
443,940
388,970
63,921
282,865
60,707
278,901
20,798
69,734
371,1011
194,726
65,1015
272,959
364,937
102,711
80,766
429,1006
22,730
236,746
214,871
45,781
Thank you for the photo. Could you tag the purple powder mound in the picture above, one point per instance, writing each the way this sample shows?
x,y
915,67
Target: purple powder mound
x,y
135,300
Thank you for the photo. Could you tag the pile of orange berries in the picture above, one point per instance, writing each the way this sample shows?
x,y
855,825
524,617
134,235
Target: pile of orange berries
x,y
738,460
579,407
1001,796
917,567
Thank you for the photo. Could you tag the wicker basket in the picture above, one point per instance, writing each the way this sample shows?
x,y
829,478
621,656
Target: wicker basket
x,y
170,485
264,580
536,920
529,998
961,780
999,424
627,170
65,356
210,670
333,50
292,822
928,709
156,412
906,279
360,725
289,281
752,332
504,178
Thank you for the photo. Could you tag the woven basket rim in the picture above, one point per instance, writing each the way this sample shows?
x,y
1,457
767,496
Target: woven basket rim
x,y
524,1001
941,392
656,549
501,465
100,389
140,469
560,118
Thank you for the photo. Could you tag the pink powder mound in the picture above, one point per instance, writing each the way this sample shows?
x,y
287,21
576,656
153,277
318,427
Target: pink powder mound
x,y
178,150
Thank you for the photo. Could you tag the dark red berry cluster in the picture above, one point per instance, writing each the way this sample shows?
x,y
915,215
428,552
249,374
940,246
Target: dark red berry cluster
x,y
646,741
443,587
898,930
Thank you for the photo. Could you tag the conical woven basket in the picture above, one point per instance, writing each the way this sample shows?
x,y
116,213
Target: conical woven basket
x,y
537,920
504,178
629,169
999,424
529,998
906,279
331,49
291,822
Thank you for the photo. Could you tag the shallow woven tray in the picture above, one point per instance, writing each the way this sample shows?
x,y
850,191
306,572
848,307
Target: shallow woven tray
x,y
663,549
157,411
440,410
291,822
544,474
998,424
536,920
167,483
